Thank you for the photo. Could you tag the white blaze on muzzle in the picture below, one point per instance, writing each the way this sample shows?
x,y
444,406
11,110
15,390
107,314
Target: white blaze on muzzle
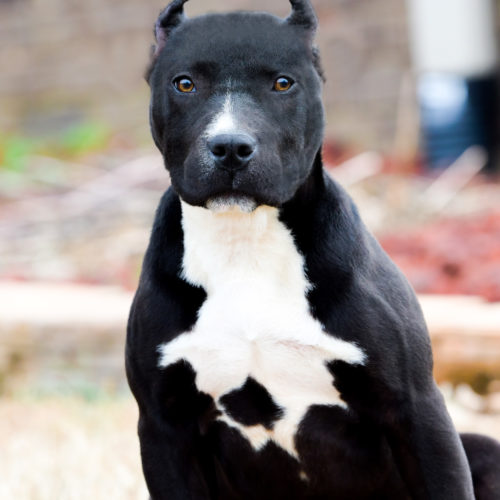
x,y
225,122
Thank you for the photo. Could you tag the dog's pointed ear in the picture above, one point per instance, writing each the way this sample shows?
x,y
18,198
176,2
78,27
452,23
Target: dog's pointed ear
x,y
303,15
171,17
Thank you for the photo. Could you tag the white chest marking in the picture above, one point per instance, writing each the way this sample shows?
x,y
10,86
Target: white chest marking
x,y
255,321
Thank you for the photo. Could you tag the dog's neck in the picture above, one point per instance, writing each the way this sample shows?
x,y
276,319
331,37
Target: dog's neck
x,y
234,249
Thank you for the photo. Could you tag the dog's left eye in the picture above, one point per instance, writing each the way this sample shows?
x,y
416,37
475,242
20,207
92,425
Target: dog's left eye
x,y
184,84
283,83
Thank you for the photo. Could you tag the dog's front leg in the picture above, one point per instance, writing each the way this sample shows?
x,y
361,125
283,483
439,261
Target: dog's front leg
x,y
172,467
176,465
427,449
176,462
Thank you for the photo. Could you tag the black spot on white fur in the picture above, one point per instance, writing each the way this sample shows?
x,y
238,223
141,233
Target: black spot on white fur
x,y
252,404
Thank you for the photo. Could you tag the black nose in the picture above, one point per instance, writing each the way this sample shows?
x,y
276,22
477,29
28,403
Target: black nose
x,y
232,151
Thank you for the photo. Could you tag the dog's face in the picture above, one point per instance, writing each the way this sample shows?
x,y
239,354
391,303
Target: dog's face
x,y
236,104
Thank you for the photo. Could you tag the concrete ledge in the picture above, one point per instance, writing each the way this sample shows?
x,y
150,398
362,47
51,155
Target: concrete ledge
x,y
50,330
57,337
465,334
45,305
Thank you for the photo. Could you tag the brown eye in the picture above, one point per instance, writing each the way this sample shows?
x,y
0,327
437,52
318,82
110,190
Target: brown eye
x,y
282,84
184,84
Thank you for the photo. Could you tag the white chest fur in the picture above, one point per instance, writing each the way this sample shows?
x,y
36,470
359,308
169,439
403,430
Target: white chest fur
x,y
256,320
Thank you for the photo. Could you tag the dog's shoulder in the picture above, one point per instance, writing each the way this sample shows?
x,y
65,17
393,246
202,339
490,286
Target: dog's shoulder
x,y
164,253
164,304
357,292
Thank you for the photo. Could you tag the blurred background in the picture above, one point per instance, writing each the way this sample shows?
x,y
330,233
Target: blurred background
x,y
412,132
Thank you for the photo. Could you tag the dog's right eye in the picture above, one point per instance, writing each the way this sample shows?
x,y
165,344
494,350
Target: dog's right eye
x,y
282,84
184,84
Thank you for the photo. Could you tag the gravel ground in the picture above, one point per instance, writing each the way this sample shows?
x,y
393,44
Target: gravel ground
x,y
70,449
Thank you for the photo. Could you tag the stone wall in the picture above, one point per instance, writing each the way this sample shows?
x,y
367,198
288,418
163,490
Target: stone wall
x,y
63,60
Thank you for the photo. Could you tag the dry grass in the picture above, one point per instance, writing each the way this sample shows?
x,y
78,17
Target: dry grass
x,y
67,449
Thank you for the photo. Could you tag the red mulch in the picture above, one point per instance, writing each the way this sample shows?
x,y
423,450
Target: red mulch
x,y
452,256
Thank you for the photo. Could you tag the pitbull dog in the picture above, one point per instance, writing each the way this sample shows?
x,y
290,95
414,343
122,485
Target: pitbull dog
x,y
274,350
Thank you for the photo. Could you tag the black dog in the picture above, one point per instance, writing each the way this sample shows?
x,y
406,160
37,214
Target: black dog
x,y
273,348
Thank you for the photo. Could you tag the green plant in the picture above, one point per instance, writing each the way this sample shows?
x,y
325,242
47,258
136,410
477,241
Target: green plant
x,y
75,141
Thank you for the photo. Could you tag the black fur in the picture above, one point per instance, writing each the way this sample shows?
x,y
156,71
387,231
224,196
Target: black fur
x,y
395,440
484,459
251,405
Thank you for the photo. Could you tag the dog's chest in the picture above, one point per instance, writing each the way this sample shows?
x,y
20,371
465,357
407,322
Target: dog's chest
x,y
255,348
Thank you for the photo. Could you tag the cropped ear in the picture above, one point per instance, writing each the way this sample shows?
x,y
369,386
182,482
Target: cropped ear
x,y
303,15
171,17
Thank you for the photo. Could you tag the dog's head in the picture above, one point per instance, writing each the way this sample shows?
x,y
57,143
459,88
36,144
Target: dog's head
x,y
236,105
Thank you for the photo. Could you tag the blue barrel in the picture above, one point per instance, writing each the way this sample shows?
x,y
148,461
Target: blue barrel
x,y
456,113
